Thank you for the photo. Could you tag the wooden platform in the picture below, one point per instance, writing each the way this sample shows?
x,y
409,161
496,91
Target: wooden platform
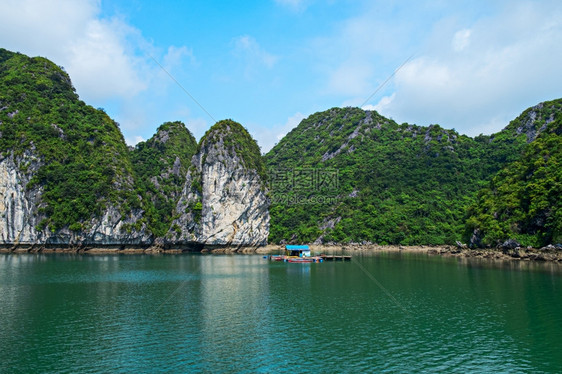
x,y
335,258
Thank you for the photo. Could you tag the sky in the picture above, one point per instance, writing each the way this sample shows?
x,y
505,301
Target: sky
x,y
468,65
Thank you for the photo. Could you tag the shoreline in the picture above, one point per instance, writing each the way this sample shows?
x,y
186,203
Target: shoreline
x,y
515,254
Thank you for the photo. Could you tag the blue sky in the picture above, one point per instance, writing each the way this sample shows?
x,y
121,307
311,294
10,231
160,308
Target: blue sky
x,y
268,64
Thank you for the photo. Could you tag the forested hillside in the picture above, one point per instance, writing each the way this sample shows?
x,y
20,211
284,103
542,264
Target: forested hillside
x,y
342,175
160,166
81,154
524,200
69,179
224,199
397,183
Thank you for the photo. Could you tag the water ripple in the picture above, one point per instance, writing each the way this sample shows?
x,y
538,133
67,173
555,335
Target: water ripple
x,y
243,314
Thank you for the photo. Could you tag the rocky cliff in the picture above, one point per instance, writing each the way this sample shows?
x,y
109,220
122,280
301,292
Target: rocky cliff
x,y
521,203
17,218
393,183
535,120
67,179
224,199
22,214
160,165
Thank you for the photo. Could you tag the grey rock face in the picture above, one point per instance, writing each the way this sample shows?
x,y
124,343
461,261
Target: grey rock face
x,y
222,202
530,123
17,206
510,244
20,214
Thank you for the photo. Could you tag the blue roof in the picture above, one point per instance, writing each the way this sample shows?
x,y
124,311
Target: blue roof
x,y
297,247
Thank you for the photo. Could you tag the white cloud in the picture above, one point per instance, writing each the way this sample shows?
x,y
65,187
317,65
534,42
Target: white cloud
x,y
473,70
176,55
294,5
268,137
134,140
40,27
382,105
108,60
98,53
477,78
197,125
350,78
291,123
253,55
461,40
360,52
100,64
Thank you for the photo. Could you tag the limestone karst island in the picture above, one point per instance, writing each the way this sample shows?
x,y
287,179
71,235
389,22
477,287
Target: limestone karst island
x,y
280,186
70,181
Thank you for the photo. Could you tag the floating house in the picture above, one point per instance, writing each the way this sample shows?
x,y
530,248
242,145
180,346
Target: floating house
x,y
297,251
302,253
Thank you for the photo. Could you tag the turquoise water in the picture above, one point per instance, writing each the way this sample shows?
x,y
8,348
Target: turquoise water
x,y
204,313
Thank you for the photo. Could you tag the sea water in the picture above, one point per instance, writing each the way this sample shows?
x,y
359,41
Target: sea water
x,y
242,313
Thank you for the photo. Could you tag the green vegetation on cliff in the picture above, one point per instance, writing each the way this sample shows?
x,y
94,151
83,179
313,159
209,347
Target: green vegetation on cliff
x,y
399,184
342,175
523,200
85,164
224,193
77,159
160,166
236,140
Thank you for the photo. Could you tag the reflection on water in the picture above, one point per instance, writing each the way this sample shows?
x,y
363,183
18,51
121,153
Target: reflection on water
x,y
63,313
